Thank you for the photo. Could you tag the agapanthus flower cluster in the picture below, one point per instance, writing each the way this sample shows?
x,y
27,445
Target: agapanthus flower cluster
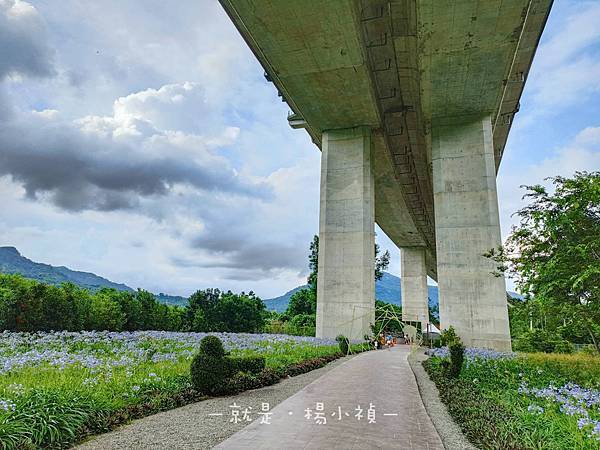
x,y
535,409
7,405
572,400
101,351
473,353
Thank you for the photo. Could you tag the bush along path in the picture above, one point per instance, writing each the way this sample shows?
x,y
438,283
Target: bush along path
x,y
520,401
214,372
196,426
58,388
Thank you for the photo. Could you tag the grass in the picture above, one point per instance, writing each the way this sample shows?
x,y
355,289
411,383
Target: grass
x,y
56,388
525,401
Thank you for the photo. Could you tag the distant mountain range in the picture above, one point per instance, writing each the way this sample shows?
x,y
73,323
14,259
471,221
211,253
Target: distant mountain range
x,y
11,261
387,289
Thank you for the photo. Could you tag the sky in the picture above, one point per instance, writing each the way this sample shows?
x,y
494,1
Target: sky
x,y
139,140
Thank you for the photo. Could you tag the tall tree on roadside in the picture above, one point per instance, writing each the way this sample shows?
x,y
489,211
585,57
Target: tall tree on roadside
x,y
554,253
313,263
381,262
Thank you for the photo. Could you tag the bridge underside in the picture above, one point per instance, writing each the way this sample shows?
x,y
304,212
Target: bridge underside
x,y
411,102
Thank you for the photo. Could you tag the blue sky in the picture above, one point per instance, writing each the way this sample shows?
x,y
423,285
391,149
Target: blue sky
x,y
139,140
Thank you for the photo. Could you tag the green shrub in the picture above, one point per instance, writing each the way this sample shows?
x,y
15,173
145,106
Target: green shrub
x,y
250,364
208,373
457,356
344,343
210,368
537,340
563,346
212,346
448,336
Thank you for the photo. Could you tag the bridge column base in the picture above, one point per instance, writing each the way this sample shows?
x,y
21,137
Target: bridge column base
x,y
472,299
413,280
345,283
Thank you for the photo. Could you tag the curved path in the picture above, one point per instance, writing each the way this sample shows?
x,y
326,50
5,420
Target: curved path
x,y
382,378
381,381
192,427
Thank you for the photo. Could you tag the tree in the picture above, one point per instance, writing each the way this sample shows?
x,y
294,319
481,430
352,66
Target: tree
x,y
106,312
200,311
554,252
313,263
240,313
381,262
303,301
29,305
213,310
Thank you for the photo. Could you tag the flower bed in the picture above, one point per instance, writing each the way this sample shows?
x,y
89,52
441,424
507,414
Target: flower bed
x,y
520,401
56,388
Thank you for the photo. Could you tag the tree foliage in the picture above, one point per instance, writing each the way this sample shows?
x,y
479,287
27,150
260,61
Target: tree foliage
x,y
28,305
382,262
554,253
213,310
303,301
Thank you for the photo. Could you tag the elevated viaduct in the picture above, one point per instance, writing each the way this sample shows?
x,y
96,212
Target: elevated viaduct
x,y
411,103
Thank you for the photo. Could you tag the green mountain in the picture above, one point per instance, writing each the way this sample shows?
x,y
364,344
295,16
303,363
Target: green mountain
x,y
280,303
11,261
387,289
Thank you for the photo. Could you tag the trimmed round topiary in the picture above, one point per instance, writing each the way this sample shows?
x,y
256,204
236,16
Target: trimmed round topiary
x,y
208,373
212,346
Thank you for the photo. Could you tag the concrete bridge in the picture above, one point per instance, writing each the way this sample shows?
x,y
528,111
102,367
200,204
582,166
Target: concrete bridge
x,y
411,103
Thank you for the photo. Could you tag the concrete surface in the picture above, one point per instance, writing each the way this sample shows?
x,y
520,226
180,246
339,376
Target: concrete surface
x,y
413,280
346,280
380,378
400,68
472,298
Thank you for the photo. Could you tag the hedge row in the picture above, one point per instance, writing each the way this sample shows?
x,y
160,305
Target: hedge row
x,y
243,381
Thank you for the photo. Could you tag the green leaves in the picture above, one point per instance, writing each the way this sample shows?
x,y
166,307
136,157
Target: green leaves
x,y
489,404
554,253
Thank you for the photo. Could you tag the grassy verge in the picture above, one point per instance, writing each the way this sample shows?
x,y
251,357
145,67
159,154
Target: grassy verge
x,y
536,401
57,388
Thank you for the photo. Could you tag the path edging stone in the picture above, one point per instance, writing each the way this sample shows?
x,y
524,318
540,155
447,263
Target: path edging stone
x,y
450,433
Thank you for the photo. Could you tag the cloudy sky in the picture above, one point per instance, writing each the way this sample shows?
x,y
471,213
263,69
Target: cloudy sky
x,y
140,141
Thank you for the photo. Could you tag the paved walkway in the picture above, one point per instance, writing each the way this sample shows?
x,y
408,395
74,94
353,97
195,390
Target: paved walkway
x,y
194,427
380,379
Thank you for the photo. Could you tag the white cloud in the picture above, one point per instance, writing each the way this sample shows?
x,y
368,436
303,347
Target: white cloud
x,y
16,9
582,154
46,114
23,42
566,68
126,188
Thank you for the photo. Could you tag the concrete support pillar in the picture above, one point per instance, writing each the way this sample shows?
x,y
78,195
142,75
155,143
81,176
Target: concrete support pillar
x,y
413,280
472,299
346,279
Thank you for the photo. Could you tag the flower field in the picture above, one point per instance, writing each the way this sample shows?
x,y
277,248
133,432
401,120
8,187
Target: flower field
x,y
57,387
523,401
